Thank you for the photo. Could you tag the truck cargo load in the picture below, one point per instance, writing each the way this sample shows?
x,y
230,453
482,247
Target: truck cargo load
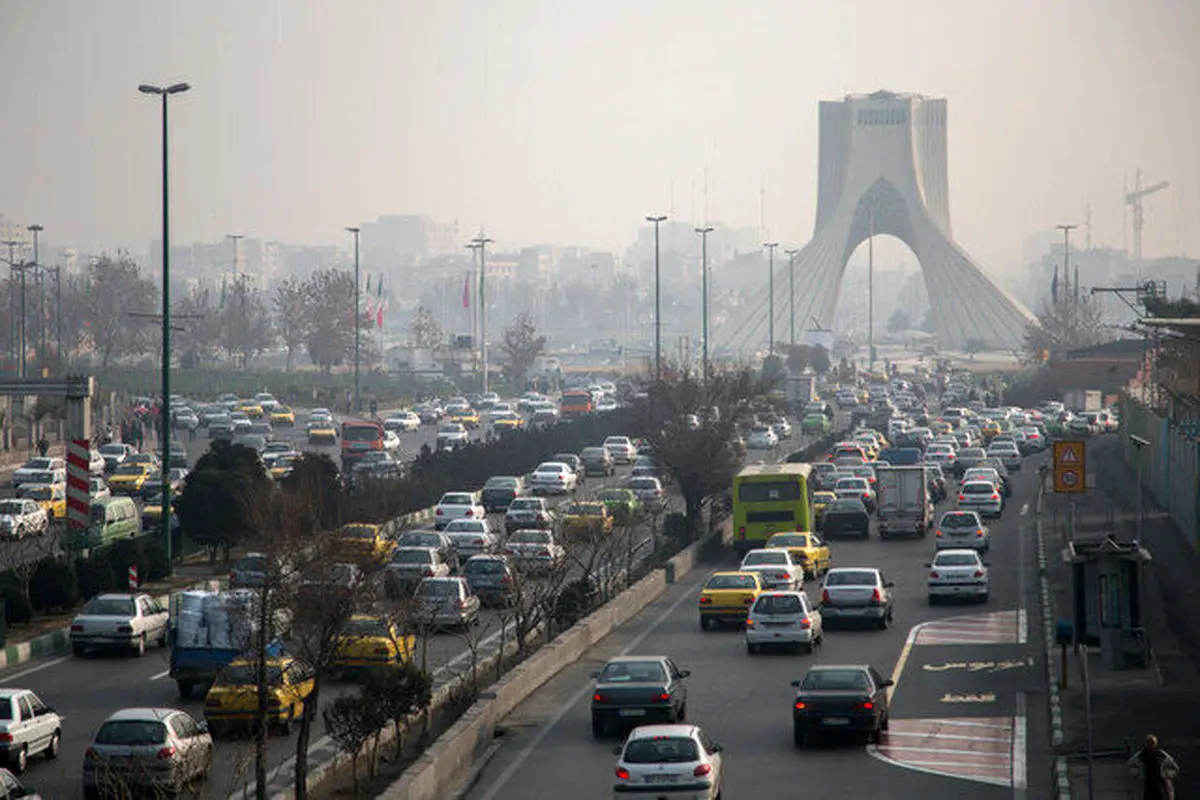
x,y
904,503
210,630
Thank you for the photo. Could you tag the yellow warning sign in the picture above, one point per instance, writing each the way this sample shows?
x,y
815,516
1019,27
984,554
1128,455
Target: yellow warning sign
x,y
1070,466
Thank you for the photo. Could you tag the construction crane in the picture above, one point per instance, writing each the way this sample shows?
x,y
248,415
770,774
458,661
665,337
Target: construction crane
x,y
1134,200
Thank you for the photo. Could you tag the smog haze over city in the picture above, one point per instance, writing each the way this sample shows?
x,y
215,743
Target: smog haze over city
x,y
568,122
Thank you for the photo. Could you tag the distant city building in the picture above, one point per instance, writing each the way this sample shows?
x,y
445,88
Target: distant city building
x,y
407,239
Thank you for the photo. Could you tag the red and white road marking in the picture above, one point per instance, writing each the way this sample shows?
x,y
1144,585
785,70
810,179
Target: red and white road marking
x,y
982,749
994,627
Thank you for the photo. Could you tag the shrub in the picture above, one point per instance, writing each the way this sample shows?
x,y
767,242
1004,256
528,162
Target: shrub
x,y
94,576
17,607
573,602
154,556
124,554
53,586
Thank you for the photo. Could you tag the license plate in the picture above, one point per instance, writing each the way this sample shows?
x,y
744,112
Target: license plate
x,y
661,778
836,721
632,712
853,611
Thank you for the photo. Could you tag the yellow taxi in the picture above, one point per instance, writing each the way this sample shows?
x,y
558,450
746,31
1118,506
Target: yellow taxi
x,y
869,445
129,478
363,541
863,395
726,598
989,429
322,432
510,421
806,548
232,701
282,466
588,517
251,408
152,508
149,459
369,643
468,418
283,417
50,496
820,500
940,427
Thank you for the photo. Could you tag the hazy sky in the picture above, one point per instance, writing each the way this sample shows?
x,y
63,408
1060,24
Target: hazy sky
x,y
568,121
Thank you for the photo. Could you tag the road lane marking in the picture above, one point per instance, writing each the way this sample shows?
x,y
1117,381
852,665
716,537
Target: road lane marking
x,y
924,749
52,662
913,632
160,675
992,627
983,759
894,734
575,699
1019,777
1022,627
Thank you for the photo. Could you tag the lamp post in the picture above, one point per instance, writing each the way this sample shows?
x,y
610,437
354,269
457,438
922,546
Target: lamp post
x,y
481,242
58,319
40,332
233,240
13,328
1066,229
771,297
164,422
704,232
657,220
357,319
791,254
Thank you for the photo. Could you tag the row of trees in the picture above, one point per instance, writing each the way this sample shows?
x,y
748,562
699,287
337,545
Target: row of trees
x,y
520,343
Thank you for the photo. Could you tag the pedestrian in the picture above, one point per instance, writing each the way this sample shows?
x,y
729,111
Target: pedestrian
x,y
1157,768
43,446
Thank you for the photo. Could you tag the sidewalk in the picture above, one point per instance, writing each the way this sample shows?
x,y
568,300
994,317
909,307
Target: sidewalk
x,y
1128,704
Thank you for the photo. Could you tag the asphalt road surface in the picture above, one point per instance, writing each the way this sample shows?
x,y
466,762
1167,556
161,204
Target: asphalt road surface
x,y
969,711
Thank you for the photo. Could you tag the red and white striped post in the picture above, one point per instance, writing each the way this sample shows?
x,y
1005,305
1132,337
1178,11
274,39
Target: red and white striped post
x,y
133,578
79,486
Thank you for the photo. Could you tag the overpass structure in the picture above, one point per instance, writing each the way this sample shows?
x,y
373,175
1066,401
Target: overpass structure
x,y
883,170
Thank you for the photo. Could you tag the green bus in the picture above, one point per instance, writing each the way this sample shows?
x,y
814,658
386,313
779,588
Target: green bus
x,y
768,498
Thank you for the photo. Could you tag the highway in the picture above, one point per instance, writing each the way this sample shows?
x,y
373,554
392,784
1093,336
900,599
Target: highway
x,y
968,710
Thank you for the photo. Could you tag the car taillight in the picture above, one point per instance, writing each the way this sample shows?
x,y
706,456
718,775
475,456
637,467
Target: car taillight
x,y
91,753
701,770
506,579
6,737
622,774
706,601
868,705
460,604
938,532
599,698
165,752
962,497
438,512
750,623
469,513
747,600
995,495
664,697
876,596
825,596
77,629
806,623
801,705
540,517
933,574
427,572
978,573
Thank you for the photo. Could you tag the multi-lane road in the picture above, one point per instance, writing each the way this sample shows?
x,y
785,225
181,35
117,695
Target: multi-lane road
x,y
968,708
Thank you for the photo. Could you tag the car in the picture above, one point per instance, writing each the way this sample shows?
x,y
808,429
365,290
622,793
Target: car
x,y
408,565
471,537
402,421
591,518
968,458
466,417
958,573
499,491
492,579
121,621
457,505
807,550
598,461
783,619
846,516
130,478
321,432
372,465
253,570
434,539
362,543
251,408
369,644
96,463
775,567
159,749
1002,471
726,598
840,699
1008,453
621,448
28,727
21,517
936,480
762,438
554,477
622,503
816,424
535,550
529,512
820,501
441,603
855,488
982,496
669,760
857,593
1034,438
988,474
630,690
961,529
282,417
28,472
571,460
232,701
267,402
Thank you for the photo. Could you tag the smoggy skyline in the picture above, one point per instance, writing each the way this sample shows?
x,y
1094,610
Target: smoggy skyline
x,y
568,122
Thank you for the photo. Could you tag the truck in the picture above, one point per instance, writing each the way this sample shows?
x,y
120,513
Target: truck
x,y
210,630
904,503
801,390
1081,400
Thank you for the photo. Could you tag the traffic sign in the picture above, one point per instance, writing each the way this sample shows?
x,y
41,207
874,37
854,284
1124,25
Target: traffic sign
x,y
1070,466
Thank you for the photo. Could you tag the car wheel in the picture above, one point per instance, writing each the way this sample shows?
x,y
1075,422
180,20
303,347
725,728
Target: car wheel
x,y
807,647
599,729
78,650
707,623
983,598
751,649
52,748
799,739
20,760
139,649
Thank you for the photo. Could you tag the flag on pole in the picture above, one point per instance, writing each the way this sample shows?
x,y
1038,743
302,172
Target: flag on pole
x,y
379,287
379,315
1054,286
467,290
368,283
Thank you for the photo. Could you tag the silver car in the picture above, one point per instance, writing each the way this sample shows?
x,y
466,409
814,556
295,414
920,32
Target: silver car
x,y
446,603
471,537
28,727
783,619
775,568
857,593
1008,453
982,496
160,749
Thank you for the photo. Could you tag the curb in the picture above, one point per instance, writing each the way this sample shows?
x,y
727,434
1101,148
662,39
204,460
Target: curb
x,y
1062,784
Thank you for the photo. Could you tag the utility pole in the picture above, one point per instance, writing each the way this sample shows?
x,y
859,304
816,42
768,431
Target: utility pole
x,y
657,220
482,242
871,294
467,290
233,240
771,296
14,321
357,322
791,254
1066,229
704,232
58,340
164,421
36,230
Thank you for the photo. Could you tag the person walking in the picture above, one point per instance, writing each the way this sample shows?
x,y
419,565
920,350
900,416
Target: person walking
x,y
1157,769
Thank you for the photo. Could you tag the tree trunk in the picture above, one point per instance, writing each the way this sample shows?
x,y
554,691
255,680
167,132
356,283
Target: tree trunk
x,y
300,786
291,359
692,503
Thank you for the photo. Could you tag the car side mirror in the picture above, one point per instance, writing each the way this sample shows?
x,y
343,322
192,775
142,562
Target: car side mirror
x,y
716,748
887,682
889,584
202,726
683,673
795,684
618,750
595,675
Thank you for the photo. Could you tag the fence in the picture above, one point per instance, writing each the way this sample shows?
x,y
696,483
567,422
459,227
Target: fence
x,y
1170,465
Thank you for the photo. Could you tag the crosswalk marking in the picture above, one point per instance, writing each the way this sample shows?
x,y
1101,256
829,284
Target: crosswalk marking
x,y
982,749
994,627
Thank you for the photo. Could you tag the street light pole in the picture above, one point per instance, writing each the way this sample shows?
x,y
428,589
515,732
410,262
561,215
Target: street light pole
x,y
357,319
164,421
233,239
13,328
771,297
58,342
41,326
1066,229
482,242
704,232
791,254
657,220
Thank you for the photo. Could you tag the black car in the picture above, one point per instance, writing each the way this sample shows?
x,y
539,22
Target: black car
x,y
840,699
499,492
491,577
846,517
637,690
434,539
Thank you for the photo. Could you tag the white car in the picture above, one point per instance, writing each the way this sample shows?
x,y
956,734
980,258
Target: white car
x,y
678,760
99,489
457,505
28,727
21,517
391,442
536,551
457,405
982,496
781,427
26,472
762,438
452,435
1008,453
961,529
958,573
403,421
266,401
471,537
554,477
119,621
855,488
775,568
982,474
784,619
648,490
621,449
96,463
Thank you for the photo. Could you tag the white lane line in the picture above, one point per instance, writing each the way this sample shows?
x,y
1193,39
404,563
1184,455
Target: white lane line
x,y
160,675
1018,750
52,662
938,735
1022,627
964,764
913,632
1025,509
978,753
930,768
574,700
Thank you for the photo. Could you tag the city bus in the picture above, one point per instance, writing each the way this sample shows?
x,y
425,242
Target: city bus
x,y
577,403
359,437
767,499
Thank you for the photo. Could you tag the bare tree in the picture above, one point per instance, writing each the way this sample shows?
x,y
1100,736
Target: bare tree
x,y
522,345
425,330
290,321
1062,325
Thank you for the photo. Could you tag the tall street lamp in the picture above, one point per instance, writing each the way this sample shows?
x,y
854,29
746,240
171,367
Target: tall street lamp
x,y
234,238
771,297
40,332
1066,229
482,242
704,232
357,319
791,254
657,301
58,342
164,422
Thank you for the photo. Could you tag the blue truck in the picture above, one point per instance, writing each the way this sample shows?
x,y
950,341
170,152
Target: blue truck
x,y
210,630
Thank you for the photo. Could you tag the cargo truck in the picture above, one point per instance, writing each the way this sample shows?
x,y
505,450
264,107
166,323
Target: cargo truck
x,y
904,503
1081,400
801,390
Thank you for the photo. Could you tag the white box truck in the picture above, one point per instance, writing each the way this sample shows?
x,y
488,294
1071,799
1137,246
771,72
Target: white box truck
x,y
904,503
801,389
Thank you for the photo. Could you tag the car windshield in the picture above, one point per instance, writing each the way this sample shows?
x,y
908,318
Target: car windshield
x,y
361,433
501,483
731,582
529,537
587,509
112,449
247,674
251,564
110,607
851,577
662,750
979,487
130,469
437,589
755,559
132,732
844,507
851,484
788,540
960,521
484,566
457,500
956,560
778,604
420,540
414,556
526,504
38,463
552,468
613,495
633,672
465,526
451,429
11,507
644,483
367,626
835,680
